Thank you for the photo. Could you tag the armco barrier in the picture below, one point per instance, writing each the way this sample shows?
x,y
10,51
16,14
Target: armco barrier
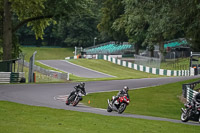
x,y
187,86
188,91
190,94
10,77
5,77
146,68
51,73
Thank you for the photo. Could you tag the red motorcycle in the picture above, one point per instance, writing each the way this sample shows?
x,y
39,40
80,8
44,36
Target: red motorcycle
x,y
119,105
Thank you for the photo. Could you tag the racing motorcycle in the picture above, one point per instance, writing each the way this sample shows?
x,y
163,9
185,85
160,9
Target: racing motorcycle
x,y
119,105
190,113
75,98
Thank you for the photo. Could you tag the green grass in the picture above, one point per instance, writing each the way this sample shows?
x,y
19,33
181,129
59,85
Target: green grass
x,y
105,67
18,118
73,77
47,53
178,64
113,69
160,101
41,78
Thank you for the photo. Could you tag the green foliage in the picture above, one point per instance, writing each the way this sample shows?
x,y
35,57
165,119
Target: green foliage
x,y
1,48
111,11
42,13
152,22
1,29
1,53
44,53
31,9
76,28
15,47
37,14
78,31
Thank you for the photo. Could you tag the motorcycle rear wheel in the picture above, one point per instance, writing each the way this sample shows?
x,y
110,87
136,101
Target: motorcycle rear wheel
x,y
184,117
67,102
122,107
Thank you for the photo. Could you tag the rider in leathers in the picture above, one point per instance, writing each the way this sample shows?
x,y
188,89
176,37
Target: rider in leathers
x,y
196,100
78,87
121,93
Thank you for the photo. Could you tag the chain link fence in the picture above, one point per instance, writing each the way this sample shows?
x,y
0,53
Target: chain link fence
x,y
147,61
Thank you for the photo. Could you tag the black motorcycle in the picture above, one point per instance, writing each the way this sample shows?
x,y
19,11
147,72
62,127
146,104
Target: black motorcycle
x,y
190,112
75,98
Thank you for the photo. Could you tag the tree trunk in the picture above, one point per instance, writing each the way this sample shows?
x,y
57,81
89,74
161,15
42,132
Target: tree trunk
x,y
161,46
136,47
7,31
152,53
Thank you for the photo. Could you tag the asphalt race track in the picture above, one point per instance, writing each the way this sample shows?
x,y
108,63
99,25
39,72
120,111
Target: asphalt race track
x,y
68,67
52,95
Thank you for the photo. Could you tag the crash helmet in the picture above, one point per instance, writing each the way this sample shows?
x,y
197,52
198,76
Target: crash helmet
x,y
197,97
82,84
125,88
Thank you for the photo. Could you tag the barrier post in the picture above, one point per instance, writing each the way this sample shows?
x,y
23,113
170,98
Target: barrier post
x,y
34,77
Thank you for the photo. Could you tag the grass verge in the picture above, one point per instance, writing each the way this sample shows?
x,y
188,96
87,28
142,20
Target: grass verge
x,y
178,64
18,118
113,69
160,101
105,67
47,53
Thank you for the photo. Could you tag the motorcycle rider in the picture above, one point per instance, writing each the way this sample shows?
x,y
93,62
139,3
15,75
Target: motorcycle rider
x,y
78,87
196,100
121,93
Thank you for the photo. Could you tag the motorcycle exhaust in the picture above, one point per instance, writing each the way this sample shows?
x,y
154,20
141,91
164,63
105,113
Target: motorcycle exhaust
x,y
183,110
108,101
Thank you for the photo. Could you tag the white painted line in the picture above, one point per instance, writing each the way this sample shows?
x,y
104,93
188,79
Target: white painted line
x,y
87,68
100,109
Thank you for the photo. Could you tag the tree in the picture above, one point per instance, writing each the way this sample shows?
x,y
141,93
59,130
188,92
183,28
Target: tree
x,y
78,31
188,14
111,11
158,21
37,14
134,22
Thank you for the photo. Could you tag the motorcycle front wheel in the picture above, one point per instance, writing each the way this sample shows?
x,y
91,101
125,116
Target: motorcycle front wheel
x,y
109,108
199,119
121,108
184,117
76,101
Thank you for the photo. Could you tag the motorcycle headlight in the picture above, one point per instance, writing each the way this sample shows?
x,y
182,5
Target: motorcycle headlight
x,y
125,99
